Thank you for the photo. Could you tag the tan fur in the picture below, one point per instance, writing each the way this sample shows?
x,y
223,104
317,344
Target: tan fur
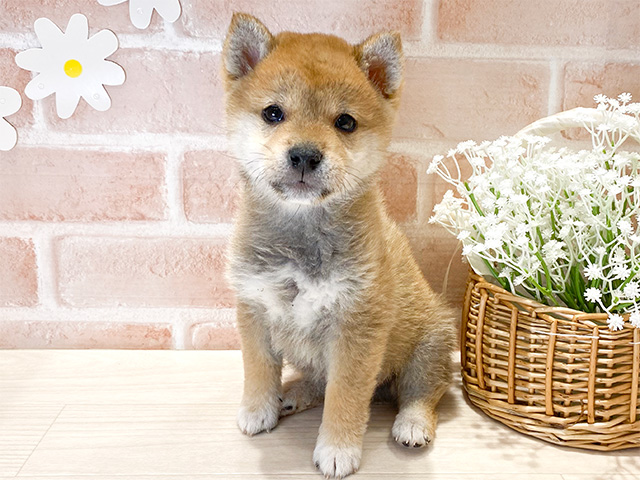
x,y
385,324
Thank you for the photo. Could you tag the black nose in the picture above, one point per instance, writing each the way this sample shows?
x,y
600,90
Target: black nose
x,y
305,157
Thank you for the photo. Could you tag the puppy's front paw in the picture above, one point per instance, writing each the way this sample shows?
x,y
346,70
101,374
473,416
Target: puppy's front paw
x,y
335,461
413,429
260,419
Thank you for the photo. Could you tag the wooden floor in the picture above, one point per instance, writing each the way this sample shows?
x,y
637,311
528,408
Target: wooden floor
x,y
170,415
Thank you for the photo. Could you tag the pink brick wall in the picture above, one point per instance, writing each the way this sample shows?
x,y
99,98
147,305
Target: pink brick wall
x,y
113,225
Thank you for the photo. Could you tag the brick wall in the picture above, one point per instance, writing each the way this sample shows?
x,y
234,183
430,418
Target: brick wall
x,y
113,225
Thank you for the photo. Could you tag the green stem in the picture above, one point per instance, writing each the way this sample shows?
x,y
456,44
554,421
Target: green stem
x,y
473,199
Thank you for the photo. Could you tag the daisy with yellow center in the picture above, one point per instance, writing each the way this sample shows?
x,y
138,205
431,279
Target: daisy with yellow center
x,y
72,65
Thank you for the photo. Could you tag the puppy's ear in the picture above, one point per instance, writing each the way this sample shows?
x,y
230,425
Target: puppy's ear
x,y
380,57
248,42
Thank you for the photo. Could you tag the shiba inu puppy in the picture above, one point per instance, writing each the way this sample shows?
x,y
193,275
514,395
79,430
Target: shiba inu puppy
x,y
324,279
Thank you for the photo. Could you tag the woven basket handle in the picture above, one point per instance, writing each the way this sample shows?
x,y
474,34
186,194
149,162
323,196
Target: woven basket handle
x,y
576,117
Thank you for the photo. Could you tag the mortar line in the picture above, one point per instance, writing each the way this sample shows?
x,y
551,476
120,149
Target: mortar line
x,y
555,86
174,186
46,269
429,28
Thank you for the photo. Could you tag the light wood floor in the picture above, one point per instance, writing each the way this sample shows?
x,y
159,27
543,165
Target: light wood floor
x,y
170,415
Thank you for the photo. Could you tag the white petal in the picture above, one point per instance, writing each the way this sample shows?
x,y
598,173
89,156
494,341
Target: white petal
x,y
140,12
110,73
103,43
169,9
66,102
8,136
40,87
98,99
48,32
10,101
108,3
33,59
78,28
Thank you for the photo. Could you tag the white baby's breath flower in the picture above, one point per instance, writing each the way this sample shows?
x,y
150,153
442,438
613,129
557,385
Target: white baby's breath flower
x,y
634,319
621,272
625,227
479,248
435,163
618,255
592,294
464,146
624,180
493,243
501,203
632,290
552,251
600,98
519,280
464,234
593,272
477,162
616,322
624,97
565,231
520,199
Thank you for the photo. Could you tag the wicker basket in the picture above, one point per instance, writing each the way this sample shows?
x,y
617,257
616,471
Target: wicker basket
x,y
553,373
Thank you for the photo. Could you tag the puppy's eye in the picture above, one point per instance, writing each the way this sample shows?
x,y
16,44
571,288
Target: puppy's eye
x,y
273,114
346,123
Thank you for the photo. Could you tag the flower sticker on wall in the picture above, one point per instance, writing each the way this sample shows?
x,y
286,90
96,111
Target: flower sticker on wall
x,y
10,103
72,65
140,11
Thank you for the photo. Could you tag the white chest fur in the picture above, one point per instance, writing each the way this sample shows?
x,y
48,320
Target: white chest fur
x,y
303,313
289,296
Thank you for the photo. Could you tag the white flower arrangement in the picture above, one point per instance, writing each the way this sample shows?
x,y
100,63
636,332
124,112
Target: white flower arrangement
x,y
10,103
553,224
72,65
140,11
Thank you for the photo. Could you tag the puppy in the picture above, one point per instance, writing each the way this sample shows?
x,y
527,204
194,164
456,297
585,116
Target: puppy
x,y
324,279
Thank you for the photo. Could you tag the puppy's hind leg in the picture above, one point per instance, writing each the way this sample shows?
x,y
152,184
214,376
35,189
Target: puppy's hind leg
x,y
301,393
420,386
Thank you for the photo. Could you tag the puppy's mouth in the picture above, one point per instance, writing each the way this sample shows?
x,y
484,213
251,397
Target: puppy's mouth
x,y
301,189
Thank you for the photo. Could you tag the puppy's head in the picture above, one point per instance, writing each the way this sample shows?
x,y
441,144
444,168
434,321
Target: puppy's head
x,y
309,115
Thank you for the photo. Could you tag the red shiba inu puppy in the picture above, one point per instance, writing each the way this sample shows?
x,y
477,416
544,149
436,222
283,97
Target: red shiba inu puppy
x,y
324,279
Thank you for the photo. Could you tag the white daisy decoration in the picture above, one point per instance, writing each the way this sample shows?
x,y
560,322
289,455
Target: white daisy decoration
x,y
10,103
72,65
140,11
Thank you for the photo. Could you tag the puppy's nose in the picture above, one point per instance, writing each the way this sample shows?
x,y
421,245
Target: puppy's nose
x,y
305,157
